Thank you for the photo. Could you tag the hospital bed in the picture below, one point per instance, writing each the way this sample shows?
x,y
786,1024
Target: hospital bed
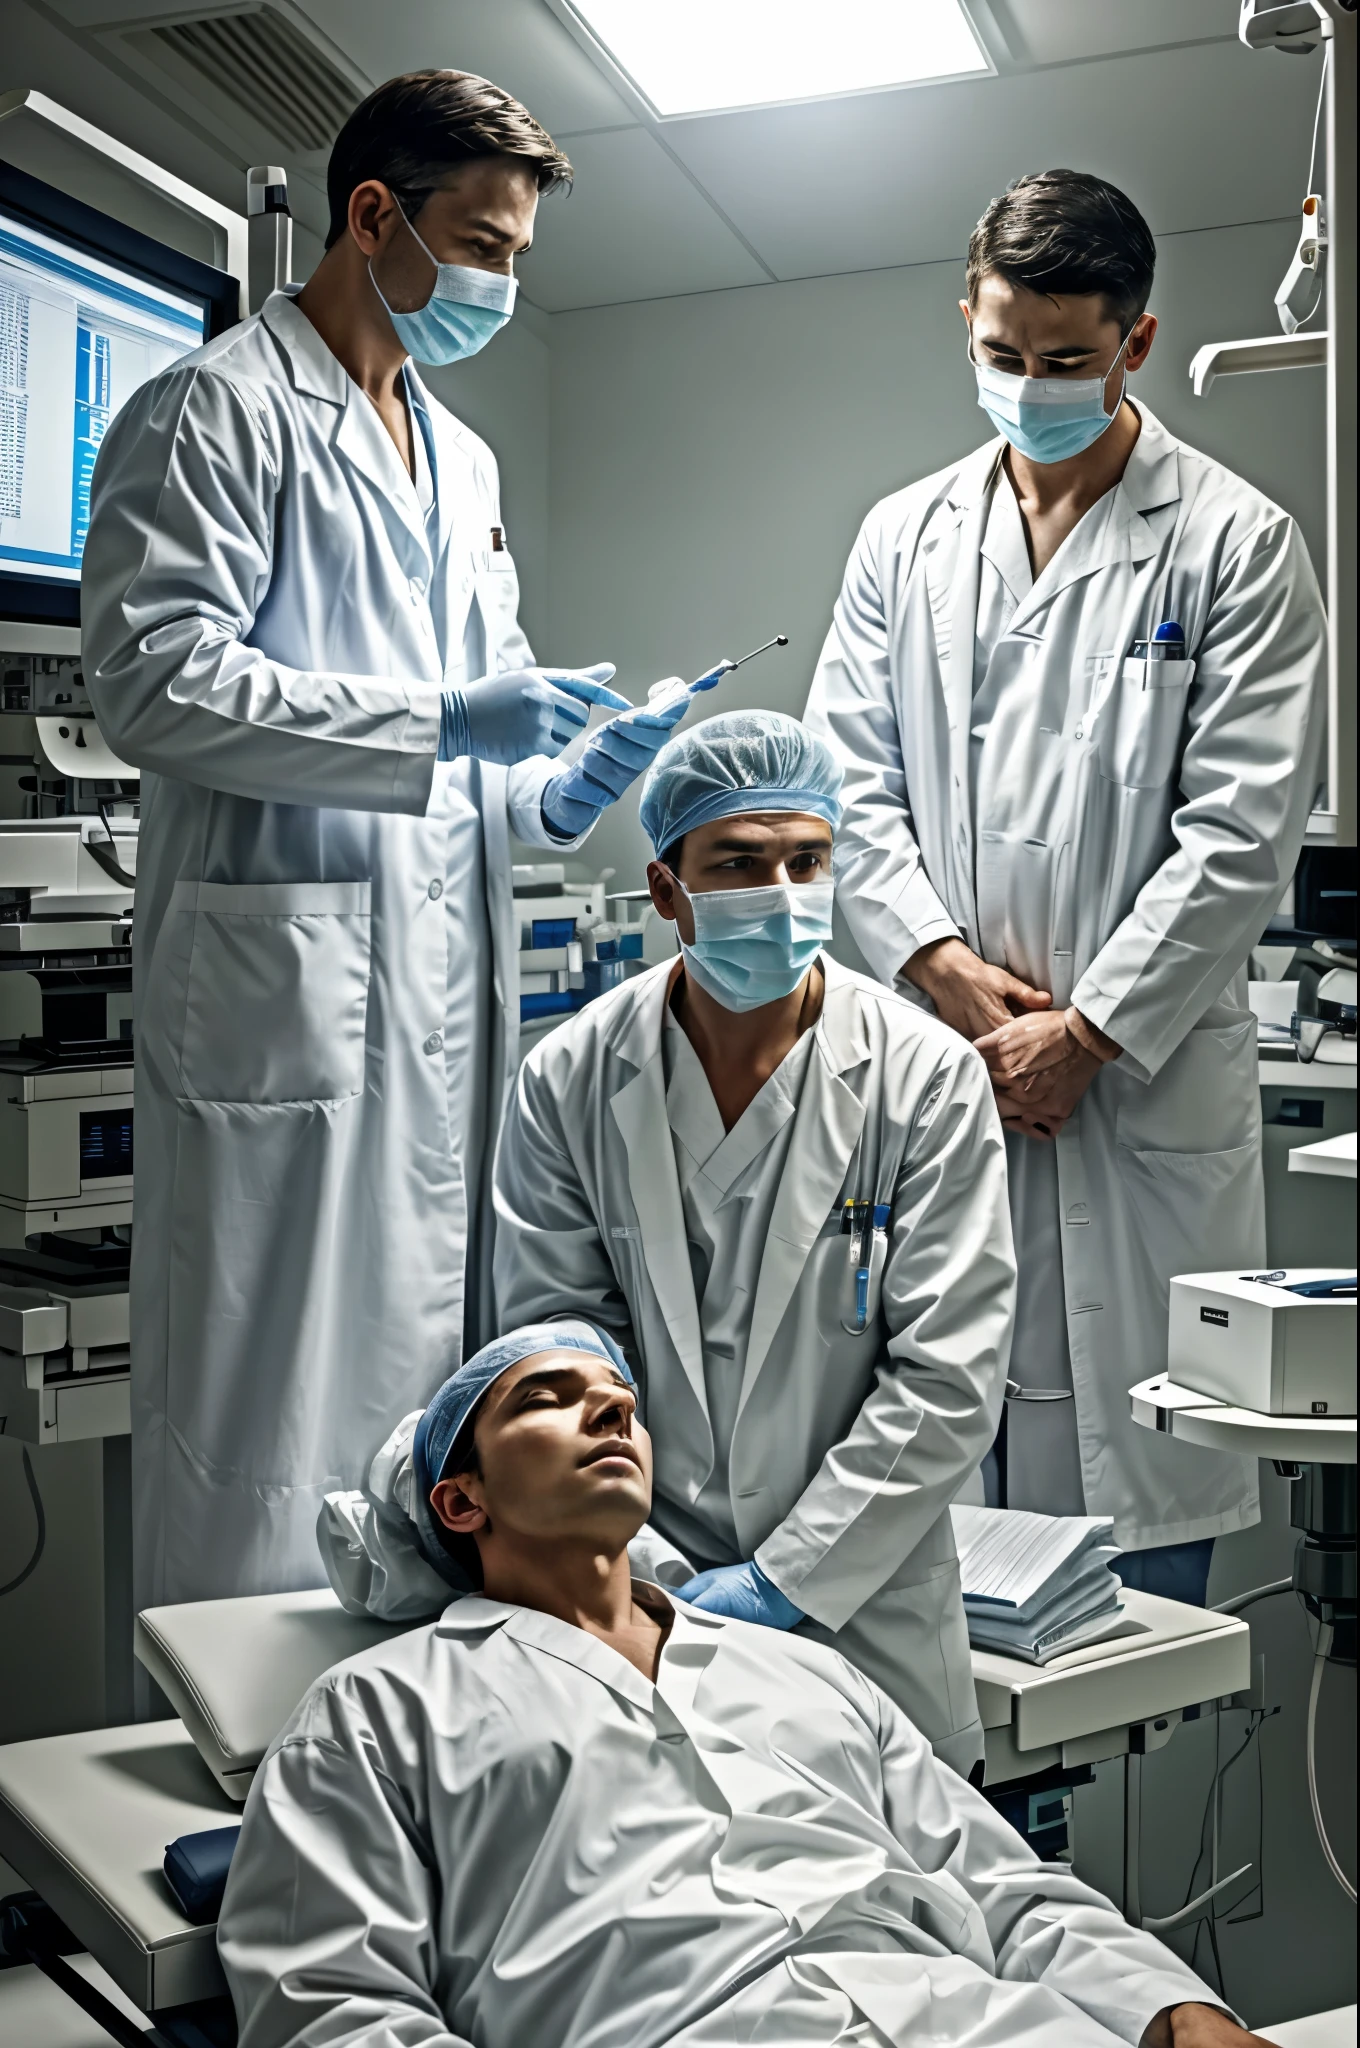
x,y
85,1819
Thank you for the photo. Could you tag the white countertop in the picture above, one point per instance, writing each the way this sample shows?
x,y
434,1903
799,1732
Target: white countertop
x,y
1335,1156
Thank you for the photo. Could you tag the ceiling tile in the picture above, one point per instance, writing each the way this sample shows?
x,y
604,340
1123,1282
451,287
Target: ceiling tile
x,y
517,43
633,227
1059,31
901,177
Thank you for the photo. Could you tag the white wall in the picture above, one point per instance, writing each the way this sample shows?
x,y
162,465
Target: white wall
x,y
712,456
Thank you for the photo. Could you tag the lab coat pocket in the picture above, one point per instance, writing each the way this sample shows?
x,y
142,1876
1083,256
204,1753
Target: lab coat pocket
x,y
1204,1099
276,999
1141,722
1193,1211
875,1257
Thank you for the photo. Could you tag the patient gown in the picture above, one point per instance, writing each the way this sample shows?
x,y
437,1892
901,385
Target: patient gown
x,y
494,1832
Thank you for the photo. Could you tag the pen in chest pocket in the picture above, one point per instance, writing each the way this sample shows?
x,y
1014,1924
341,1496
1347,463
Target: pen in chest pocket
x,y
862,1222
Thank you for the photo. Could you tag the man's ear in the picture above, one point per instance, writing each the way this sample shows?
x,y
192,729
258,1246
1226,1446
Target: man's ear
x,y
456,1509
662,886
1144,333
371,211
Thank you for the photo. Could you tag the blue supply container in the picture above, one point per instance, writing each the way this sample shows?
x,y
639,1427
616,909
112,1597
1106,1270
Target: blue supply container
x,y
552,931
550,1005
601,976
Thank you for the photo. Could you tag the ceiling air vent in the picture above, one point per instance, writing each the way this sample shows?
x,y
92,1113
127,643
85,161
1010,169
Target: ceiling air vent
x,y
265,66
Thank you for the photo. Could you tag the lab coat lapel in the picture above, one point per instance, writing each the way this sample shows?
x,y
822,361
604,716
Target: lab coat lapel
x,y
826,1130
958,605
365,444
639,1111
361,439
1112,532
454,488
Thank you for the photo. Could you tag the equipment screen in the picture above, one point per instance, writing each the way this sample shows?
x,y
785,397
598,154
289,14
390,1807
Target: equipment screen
x,y
77,336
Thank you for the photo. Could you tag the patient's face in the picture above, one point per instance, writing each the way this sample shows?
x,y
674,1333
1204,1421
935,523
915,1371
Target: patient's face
x,y
562,1456
749,852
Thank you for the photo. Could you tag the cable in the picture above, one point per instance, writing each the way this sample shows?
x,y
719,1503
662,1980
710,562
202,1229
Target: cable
x,y
41,1519
1317,118
1256,1720
1241,1600
1320,1656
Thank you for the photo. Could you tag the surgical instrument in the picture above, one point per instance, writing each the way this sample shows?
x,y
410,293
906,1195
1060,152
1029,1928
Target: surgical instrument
x,y
662,696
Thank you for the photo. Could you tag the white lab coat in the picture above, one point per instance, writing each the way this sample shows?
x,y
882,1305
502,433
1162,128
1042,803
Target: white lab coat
x,y
267,624
1138,828
494,1832
847,1447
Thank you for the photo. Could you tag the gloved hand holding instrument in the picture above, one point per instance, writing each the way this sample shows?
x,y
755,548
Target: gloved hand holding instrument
x,y
619,751
523,711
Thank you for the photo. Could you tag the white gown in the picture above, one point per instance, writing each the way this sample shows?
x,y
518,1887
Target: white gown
x,y
494,1832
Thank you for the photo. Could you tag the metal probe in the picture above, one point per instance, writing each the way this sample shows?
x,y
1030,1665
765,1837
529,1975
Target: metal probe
x,y
726,665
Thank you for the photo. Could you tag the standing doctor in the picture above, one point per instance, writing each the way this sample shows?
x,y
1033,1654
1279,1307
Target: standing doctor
x,y
1075,681
300,624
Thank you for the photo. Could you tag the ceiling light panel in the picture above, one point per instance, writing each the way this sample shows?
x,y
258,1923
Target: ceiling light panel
x,y
710,56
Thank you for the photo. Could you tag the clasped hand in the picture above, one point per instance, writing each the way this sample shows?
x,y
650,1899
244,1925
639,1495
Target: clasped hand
x,y
1040,1070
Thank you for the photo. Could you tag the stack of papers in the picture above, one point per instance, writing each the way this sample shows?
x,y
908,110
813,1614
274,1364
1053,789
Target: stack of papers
x,y
1035,1586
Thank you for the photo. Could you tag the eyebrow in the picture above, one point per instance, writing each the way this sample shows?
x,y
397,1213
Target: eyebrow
x,y
1048,355
546,1375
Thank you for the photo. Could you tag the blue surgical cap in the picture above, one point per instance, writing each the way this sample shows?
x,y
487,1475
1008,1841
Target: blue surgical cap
x,y
438,1428
739,761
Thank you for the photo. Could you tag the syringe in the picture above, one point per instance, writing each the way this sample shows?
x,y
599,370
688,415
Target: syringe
x,y
662,695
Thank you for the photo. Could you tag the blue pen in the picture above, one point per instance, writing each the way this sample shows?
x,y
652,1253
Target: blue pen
x,y
1166,644
858,1218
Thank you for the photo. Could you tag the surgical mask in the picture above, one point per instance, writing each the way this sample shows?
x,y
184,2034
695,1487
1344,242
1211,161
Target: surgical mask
x,y
462,313
1048,419
753,946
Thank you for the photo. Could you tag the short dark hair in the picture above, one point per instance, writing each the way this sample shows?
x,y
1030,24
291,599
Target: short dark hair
x,y
413,131
1065,231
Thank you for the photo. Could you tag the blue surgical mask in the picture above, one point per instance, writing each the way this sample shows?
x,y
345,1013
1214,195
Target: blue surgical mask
x,y
461,314
1048,419
753,946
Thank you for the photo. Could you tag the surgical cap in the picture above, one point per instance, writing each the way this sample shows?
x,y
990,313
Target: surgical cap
x,y
438,1428
739,761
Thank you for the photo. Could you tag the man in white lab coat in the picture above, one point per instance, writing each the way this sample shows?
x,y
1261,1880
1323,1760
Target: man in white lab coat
x,y
300,625
783,1190
573,1811
1076,682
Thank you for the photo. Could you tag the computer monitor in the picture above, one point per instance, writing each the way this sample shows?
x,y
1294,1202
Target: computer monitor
x,y
89,310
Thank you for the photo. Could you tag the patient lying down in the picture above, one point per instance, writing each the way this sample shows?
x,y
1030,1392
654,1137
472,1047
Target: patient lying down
x,y
573,1813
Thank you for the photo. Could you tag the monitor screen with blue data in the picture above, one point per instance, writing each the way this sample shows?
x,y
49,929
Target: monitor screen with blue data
x,y
88,312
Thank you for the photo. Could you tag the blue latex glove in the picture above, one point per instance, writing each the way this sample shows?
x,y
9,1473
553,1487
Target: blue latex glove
x,y
525,711
615,755
742,1591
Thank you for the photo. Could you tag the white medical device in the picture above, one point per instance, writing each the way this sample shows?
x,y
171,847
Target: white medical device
x,y
1255,1341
